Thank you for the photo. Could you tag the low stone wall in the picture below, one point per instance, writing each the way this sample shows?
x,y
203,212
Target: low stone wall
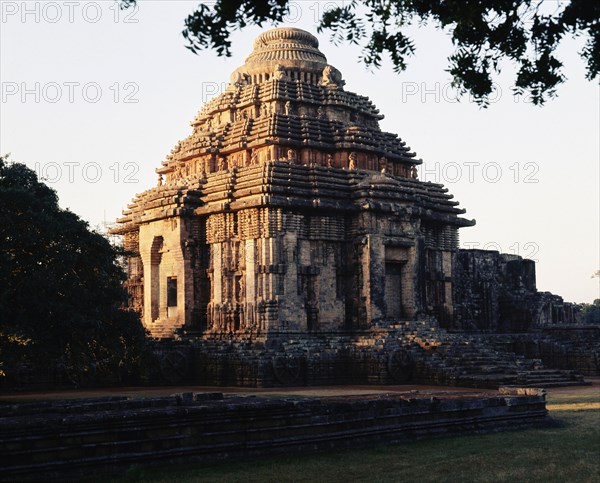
x,y
79,438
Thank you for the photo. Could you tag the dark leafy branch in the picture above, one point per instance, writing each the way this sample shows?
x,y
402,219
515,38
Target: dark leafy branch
x,y
211,28
484,33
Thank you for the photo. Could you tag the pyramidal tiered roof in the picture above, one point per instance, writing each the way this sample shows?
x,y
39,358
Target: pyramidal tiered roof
x,y
286,132
286,95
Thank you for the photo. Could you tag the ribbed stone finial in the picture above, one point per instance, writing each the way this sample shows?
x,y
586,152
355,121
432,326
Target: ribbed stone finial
x,y
285,34
286,49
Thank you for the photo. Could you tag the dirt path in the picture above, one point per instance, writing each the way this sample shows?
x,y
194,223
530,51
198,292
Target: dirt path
x,y
318,391
321,391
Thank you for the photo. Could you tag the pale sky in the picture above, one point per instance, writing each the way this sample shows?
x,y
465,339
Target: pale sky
x,y
94,99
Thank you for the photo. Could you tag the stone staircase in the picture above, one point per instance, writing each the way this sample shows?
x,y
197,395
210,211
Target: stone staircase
x,y
440,357
574,347
468,360
472,364
164,328
459,359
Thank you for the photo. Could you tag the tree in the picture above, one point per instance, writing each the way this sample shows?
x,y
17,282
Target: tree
x,y
484,33
590,313
61,293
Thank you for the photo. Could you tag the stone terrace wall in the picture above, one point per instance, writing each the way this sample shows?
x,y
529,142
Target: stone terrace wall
x,y
411,351
55,440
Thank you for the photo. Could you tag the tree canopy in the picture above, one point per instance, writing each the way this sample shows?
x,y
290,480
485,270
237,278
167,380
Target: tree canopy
x,y
483,32
61,293
590,313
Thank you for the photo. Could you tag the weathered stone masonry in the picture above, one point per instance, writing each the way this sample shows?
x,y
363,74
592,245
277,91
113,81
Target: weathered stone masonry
x,y
288,209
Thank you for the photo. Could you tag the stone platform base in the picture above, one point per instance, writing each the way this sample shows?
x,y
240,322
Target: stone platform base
x,y
418,352
85,437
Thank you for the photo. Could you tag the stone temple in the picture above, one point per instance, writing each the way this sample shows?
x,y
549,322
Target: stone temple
x,y
289,238
288,208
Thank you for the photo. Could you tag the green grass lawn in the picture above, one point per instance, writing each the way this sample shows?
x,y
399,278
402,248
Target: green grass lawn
x,y
566,452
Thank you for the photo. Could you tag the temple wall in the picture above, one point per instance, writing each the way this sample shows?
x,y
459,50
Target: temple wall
x,y
497,292
167,292
294,269
276,271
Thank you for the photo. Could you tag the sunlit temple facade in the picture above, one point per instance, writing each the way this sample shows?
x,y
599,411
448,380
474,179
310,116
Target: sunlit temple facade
x,y
289,209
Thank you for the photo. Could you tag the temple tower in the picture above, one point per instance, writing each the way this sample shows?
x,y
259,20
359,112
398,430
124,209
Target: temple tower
x,y
288,210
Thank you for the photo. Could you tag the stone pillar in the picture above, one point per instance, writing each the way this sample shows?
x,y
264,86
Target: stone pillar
x,y
372,292
250,306
217,265
420,278
409,284
331,308
250,271
447,257
290,306
190,294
